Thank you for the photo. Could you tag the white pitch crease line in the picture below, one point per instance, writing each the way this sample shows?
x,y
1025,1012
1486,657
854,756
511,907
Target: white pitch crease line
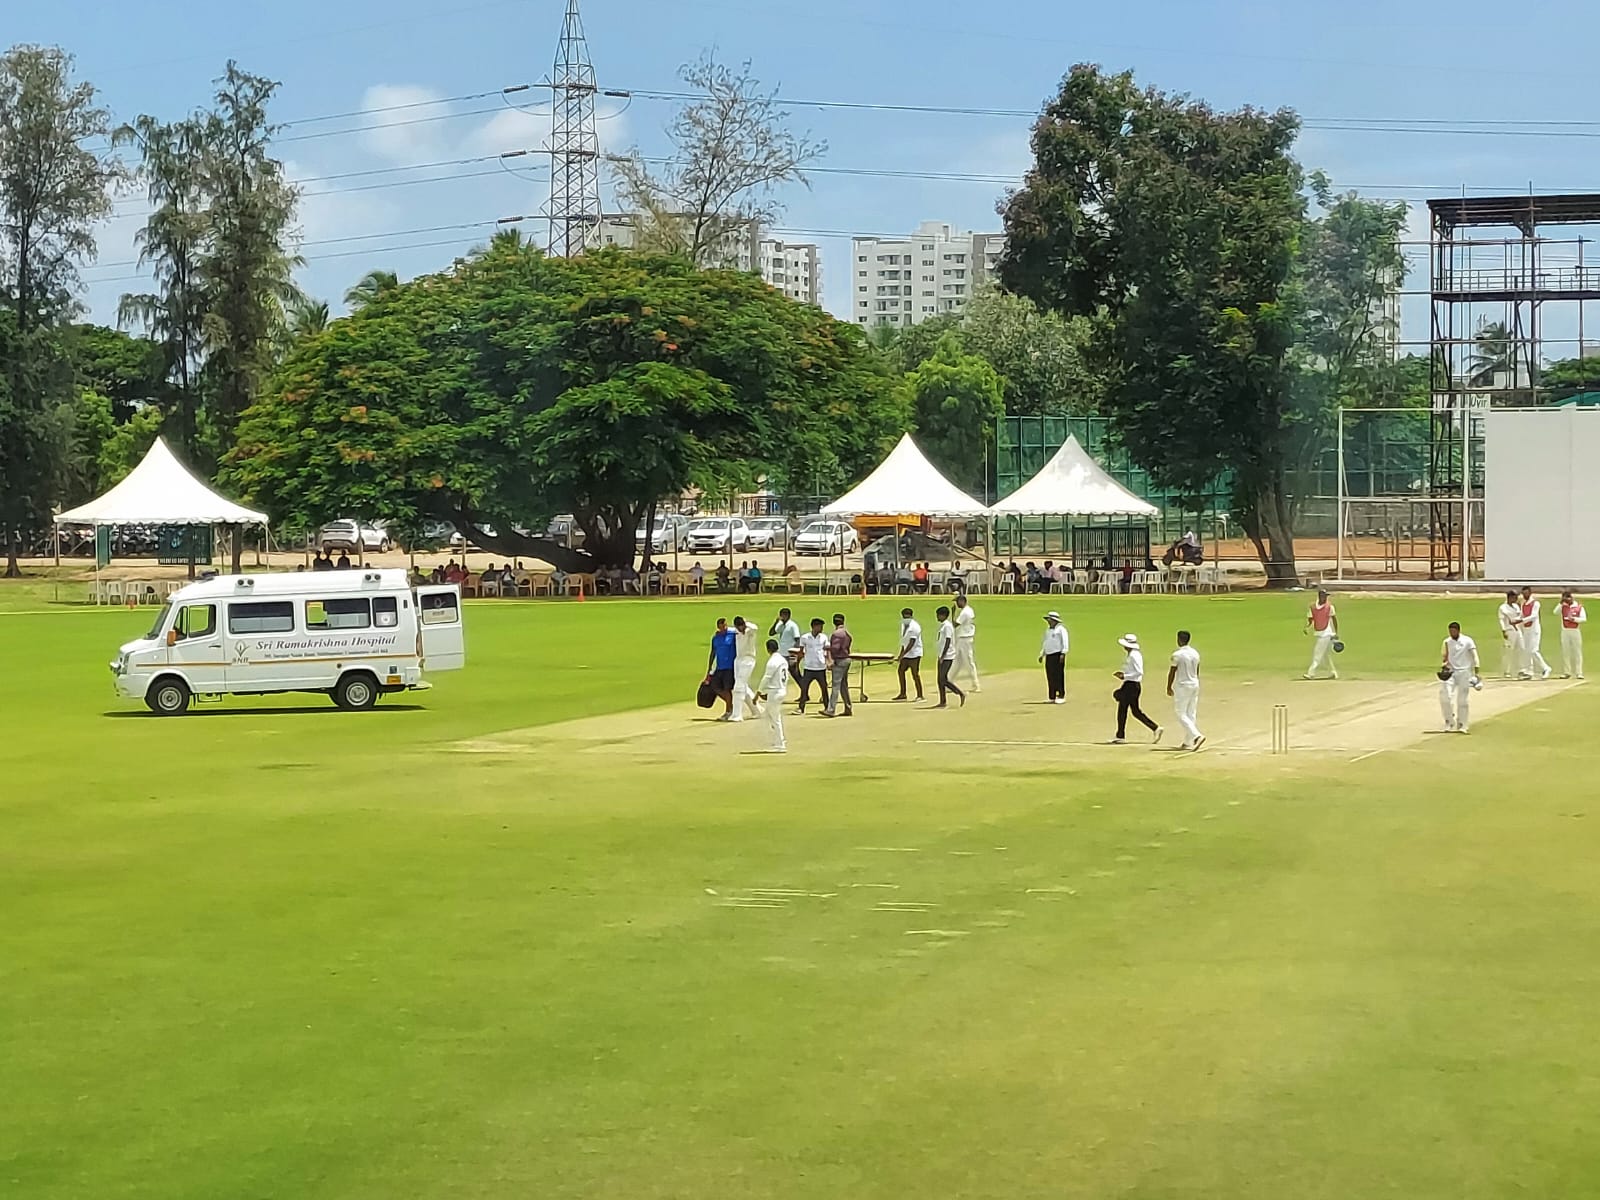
x,y
944,933
893,849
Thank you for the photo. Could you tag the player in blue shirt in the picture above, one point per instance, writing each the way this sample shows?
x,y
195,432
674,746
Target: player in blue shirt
x,y
719,666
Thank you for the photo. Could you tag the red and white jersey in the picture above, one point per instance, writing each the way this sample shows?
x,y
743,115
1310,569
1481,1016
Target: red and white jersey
x,y
1322,616
1572,615
1530,614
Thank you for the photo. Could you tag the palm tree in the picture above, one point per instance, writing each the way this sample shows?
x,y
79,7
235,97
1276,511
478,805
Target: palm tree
x,y
372,286
1493,356
307,318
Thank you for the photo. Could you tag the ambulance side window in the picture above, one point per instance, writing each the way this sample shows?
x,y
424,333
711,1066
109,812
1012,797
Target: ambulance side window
x,y
196,620
385,612
261,616
439,608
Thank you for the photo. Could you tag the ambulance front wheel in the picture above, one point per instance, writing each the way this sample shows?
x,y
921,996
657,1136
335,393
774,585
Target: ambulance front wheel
x,y
356,693
168,697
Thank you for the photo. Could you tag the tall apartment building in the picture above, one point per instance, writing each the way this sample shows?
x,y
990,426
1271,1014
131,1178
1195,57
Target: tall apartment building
x,y
794,269
936,270
739,249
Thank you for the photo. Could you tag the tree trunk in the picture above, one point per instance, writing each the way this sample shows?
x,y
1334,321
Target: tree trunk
x,y
649,540
1271,530
13,553
237,548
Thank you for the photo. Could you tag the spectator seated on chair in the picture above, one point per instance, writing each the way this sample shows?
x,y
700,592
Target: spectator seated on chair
x,y
1127,576
558,580
1016,576
906,578
630,581
1034,576
752,577
920,578
724,576
697,575
958,578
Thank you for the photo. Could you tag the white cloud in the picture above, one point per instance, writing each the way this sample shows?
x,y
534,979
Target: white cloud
x,y
513,129
399,134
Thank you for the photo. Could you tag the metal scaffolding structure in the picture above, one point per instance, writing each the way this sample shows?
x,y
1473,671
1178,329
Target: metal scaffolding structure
x,y
574,206
1493,269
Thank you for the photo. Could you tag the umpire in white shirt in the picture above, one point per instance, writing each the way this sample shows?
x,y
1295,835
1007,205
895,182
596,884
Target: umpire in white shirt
x,y
1053,654
1128,693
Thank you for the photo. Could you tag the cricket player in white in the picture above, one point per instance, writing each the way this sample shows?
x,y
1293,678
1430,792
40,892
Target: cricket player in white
x,y
1572,620
774,688
1510,618
1183,685
1323,623
744,666
1532,635
966,623
1460,657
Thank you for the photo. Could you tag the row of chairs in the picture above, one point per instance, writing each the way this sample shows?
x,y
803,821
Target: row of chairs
x,y
133,591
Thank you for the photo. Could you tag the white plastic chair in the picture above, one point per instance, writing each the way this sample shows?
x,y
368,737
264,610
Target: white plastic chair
x,y
1106,584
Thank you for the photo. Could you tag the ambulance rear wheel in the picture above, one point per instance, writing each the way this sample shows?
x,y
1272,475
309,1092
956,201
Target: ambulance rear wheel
x,y
356,693
168,698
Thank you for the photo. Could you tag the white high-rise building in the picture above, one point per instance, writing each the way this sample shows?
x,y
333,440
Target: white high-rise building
x,y
904,281
794,269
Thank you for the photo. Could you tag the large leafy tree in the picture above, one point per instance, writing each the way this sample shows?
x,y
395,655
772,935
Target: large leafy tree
x,y
956,404
1348,266
53,190
1174,227
515,387
1042,357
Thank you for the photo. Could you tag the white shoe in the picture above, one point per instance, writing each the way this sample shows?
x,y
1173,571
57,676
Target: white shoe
x,y
1117,742
1058,700
1546,674
1156,741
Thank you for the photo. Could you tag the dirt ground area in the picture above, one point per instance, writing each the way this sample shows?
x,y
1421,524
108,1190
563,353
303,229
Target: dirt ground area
x,y
1009,724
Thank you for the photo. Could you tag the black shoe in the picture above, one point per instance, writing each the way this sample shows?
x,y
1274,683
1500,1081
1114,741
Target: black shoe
x,y
902,697
963,699
849,712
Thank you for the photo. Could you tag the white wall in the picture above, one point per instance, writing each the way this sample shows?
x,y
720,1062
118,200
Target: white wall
x,y
1542,495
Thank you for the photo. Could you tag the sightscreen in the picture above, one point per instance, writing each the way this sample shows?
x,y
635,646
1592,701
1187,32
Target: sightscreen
x,y
1542,495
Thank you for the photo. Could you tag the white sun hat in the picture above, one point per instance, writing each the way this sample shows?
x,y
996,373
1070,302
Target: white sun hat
x,y
1129,641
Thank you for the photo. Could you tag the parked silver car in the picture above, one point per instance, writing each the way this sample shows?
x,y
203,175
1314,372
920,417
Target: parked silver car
x,y
348,535
770,533
671,533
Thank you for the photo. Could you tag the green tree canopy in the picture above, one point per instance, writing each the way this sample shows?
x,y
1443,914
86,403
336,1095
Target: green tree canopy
x,y
956,404
515,387
1174,228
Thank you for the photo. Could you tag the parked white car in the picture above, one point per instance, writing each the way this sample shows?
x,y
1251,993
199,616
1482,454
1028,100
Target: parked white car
x,y
827,537
348,535
671,532
718,535
770,533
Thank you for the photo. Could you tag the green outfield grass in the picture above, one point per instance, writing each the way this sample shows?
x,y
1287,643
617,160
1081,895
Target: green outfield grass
x,y
522,939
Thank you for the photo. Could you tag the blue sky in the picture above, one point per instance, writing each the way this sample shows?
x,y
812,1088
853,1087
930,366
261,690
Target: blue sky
x,y
1362,59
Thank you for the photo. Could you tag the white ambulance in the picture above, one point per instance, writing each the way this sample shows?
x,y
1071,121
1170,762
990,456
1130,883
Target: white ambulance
x,y
352,635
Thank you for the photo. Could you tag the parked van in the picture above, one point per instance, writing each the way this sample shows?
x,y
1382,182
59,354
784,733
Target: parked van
x,y
351,635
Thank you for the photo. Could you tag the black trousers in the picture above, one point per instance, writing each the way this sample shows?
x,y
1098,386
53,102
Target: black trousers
x,y
1127,698
807,678
912,667
1055,675
945,685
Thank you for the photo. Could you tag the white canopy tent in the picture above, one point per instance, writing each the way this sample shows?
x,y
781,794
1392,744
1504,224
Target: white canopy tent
x,y
906,484
161,491
1072,485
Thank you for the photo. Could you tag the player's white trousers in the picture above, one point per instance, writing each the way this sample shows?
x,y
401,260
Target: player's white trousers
x,y
1532,660
743,697
1511,655
1321,648
1572,652
1455,699
774,711
966,664
1186,703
